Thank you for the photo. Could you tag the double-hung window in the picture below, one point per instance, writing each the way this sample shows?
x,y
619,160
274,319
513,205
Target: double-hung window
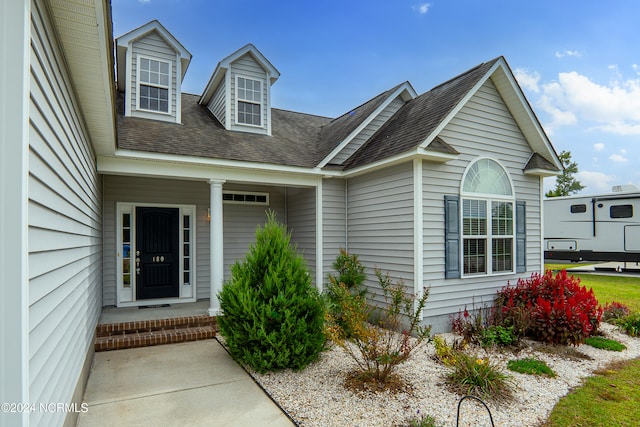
x,y
487,219
249,101
154,79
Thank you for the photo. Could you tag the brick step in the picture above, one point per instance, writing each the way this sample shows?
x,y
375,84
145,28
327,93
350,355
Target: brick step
x,y
118,336
124,328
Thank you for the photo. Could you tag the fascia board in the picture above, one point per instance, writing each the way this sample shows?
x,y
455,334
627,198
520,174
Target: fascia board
x,y
405,87
545,173
523,107
166,163
454,111
212,84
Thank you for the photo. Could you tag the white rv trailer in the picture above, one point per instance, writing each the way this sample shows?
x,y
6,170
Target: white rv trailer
x,y
603,227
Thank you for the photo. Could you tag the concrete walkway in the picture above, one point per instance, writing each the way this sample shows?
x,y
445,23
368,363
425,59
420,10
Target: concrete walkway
x,y
187,384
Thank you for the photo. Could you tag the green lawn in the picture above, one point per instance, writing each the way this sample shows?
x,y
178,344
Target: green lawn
x,y
614,288
612,397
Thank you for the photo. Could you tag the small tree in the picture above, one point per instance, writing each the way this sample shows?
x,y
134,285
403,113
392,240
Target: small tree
x,y
273,316
566,184
379,348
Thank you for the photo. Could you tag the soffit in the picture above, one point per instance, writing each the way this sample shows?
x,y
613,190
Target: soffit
x,y
85,34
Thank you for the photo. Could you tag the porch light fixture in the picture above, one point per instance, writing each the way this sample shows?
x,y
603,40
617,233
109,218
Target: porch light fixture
x,y
208,214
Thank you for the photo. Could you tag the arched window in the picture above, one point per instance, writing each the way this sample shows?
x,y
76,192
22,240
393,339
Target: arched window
x,y
487,219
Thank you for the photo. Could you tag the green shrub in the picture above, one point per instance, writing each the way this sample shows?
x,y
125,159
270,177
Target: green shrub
x,y
379,348
530,366
479,377
498,335
605,344
421,420
273,317
351,274
630,324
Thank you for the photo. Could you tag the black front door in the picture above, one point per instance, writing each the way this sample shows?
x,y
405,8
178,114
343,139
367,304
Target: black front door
x,y
157,248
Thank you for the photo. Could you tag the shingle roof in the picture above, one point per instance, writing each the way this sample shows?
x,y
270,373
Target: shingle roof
x,y
304,140
417,119
340,128
294,141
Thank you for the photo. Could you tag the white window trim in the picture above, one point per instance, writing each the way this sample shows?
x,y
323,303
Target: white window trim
x,y
169,112
126,297
488,198
261,103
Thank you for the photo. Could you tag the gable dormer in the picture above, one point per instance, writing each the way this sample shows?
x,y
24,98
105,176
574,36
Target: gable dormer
x,y
151,65
238,93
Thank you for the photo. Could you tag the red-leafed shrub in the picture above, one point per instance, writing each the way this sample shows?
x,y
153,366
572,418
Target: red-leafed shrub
x,y
556,308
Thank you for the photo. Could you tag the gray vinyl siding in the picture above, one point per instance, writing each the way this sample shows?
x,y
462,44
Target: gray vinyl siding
x,y
217,105
64,229
301,222
334,219
240,221
154,47
247,67
368,131
380,222
483,128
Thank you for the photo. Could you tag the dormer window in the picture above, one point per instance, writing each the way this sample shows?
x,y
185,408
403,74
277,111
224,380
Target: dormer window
x,y
153,85
249,98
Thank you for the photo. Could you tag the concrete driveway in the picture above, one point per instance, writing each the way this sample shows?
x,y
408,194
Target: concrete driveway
x,y
187,384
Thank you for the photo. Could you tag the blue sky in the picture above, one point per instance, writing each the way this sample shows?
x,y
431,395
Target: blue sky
x,y
578,62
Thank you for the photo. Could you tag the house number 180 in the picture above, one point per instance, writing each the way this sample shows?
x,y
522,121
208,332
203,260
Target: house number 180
x,y
158,259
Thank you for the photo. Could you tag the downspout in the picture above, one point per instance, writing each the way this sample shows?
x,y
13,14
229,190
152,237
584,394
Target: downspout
x,y
346,216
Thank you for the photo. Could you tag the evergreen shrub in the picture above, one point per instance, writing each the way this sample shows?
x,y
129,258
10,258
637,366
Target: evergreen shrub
x,y
272,315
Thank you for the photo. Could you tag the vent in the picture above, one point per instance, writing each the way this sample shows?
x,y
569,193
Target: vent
x,y
245,198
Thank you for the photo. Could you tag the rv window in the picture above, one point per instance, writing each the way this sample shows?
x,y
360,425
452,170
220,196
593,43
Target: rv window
x,y
578,208
621,211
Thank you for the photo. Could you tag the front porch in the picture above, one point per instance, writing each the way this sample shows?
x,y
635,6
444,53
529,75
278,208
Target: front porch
x,y
143,326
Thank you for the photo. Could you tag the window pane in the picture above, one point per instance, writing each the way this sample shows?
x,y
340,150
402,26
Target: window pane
x,y
153,105
144,76
502,255
144,64
163,106
578,208
501,218
475,256
164,68
185,221
486,176
621,211
474,217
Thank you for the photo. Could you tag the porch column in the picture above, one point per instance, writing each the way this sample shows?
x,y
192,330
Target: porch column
x,y
216,238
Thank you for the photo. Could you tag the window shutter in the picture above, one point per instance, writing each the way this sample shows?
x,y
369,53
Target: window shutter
x,y
452,237
521,237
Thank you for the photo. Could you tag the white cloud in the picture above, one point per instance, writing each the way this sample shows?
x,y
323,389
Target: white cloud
x,y
595,182
422,8
144,1
618,158
613,108
598,146
573,53
528,81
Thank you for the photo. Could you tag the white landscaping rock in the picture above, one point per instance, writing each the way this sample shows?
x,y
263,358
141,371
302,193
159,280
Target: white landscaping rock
x,y
316,396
